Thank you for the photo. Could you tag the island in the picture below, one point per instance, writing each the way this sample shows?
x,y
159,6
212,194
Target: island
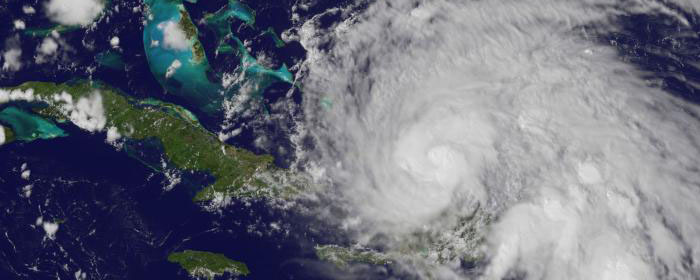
x,y
97,107
207,265
342,257
179,63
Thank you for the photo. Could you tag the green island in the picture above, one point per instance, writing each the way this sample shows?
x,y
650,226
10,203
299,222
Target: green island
x,y
207,265
46,31
192,34
185,143
342,257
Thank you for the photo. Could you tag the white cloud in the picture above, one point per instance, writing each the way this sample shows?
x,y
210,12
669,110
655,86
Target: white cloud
x,y
50,229
46,51
80,275
114,41
48,46
74,12
113,135
173,36
176,64
86,113
16,95
29,10
12,60
2,135
582,171
27,191
19,24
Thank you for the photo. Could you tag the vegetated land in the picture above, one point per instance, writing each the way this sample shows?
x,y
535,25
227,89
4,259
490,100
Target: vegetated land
x,y
186,143
207,265
342,256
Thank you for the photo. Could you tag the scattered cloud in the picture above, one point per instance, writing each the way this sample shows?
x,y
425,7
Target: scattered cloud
x,y
19,24
46,50
50,229
114,42
86,113
16,95
48,46
74,12
25,174
80,275
27,191
12,55
12,60
113,135
29,10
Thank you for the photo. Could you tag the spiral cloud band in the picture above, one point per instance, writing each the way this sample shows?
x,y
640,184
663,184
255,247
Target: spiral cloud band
x,y
429,112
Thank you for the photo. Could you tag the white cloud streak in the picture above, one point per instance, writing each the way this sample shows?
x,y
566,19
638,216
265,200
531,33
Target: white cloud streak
x,y
444,108
176,64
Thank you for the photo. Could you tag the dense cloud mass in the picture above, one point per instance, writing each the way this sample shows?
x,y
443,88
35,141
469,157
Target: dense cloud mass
x,y
73,12
173,36
565,161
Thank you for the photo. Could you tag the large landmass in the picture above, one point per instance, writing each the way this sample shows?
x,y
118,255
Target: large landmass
x,y
186,144
207,265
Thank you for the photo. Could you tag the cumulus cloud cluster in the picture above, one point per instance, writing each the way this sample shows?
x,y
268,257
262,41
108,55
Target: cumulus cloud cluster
x,y
12,55
173,36
445,109
86,112
16,95
46,51
73,12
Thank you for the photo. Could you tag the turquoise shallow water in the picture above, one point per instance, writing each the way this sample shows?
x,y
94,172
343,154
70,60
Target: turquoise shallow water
x,y
28,127
194,79
110,60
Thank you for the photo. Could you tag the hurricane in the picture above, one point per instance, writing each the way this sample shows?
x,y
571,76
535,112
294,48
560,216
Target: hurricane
x,y
502,140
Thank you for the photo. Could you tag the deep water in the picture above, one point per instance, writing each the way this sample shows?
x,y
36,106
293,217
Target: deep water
x,y
117,222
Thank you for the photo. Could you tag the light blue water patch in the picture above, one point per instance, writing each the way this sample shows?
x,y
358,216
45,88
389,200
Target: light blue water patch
x,y
186,72
183,72
29,127
110,60
220,22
